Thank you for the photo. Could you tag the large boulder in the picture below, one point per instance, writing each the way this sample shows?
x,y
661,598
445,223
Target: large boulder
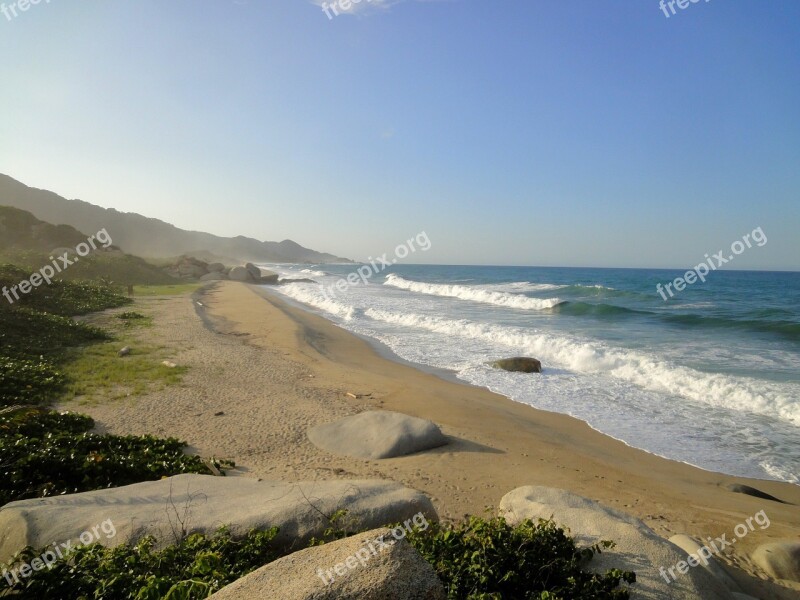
x,y
240,274
269,277
693,548
216,267
202,503
519,364
213,276
377,434
780,560
637,549
254,271
368,566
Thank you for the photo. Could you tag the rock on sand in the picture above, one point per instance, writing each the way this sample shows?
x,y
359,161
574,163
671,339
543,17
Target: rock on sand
x,y
155,508
638,548
372,571
377,434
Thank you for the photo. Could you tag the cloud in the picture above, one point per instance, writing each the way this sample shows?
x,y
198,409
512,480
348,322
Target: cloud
x,y
358,6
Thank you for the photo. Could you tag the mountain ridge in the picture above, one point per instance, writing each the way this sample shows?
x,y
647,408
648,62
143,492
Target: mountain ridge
x,y
150,237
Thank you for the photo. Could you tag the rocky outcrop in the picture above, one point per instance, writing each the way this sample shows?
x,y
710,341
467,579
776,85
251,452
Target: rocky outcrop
x,y
377,434
202,503
190,268
255,272
779,560
637,549
519,364
240,274
368,566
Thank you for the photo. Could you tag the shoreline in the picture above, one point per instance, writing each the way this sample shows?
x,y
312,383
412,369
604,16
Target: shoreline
x,y
275,370
385,352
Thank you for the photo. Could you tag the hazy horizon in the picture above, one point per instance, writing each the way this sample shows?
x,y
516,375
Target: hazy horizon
x,y
581,135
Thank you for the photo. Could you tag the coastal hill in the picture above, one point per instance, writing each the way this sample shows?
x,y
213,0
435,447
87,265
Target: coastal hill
x,y
148,237
29,242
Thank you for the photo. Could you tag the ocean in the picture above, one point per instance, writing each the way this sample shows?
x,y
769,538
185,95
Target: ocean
x,y
710,377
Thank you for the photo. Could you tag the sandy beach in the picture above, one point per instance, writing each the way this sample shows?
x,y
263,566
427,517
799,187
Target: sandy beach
x,y
261,372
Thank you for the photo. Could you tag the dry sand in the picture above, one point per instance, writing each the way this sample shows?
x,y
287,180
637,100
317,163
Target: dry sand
x,y
276,370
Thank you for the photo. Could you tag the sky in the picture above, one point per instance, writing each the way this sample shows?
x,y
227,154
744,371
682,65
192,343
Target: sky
x,y
522,132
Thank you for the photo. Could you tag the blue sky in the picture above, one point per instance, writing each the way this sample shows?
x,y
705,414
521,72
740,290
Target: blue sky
x,y
577,133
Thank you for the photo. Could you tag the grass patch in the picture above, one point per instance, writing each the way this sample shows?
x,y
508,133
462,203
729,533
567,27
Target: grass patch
x,y
132,319
97,372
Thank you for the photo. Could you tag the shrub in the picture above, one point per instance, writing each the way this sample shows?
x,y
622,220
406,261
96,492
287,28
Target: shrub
x,y
28,381
31,333
45,453
61,297
194,568
488,559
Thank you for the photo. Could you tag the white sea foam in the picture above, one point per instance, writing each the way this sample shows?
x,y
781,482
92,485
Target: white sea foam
x,y
780,473
522,286
472,293
313,273
312,295
647,372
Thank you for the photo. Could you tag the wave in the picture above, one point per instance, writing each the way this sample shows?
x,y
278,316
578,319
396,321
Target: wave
x,y
313,296
522,286
787,329
313,273
472,293
647,372
598,310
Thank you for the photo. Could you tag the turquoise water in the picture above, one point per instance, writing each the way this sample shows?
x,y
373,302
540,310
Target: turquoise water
x,y
710,377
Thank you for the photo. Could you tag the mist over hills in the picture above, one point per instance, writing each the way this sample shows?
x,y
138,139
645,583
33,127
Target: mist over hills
x,y
148,237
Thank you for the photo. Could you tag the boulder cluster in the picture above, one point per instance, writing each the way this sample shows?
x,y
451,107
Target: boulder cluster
x,y
190,268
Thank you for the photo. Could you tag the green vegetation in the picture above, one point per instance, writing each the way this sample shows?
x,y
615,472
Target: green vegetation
x,y
196,567
488,559
97,371
60,297
47,356
46,453
113,266
477,560
35,337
